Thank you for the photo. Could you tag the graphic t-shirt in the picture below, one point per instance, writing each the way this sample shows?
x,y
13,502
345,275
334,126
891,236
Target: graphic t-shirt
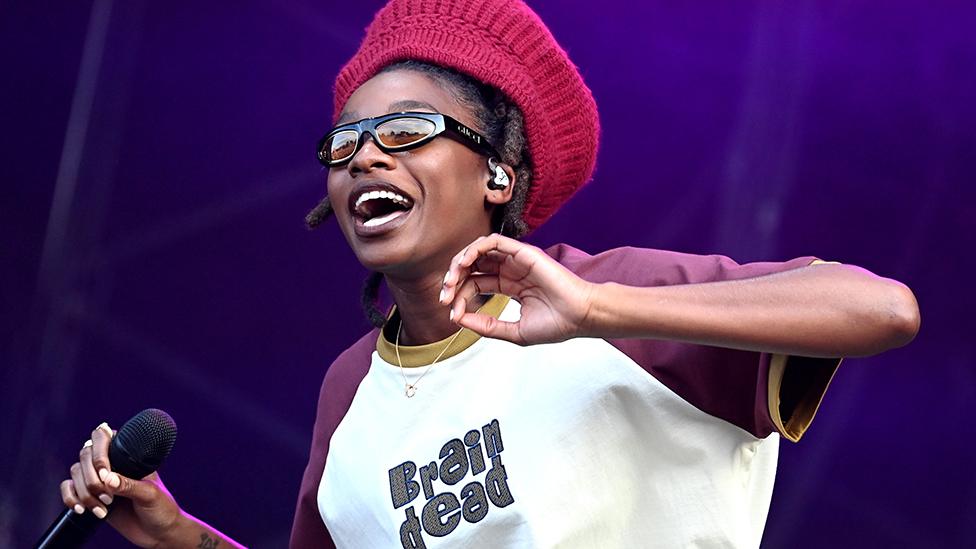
x,y
583,443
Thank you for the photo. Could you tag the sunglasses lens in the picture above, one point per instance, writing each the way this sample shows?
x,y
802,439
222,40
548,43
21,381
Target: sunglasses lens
x,y
401,132
340,146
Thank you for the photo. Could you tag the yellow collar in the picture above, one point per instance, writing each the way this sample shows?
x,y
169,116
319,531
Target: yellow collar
x,y
422,355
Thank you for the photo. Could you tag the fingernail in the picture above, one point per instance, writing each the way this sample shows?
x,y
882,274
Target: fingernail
x,y
106,499
113,480
447,277
103,474
78,509
104,426
451,315
441,297
99,512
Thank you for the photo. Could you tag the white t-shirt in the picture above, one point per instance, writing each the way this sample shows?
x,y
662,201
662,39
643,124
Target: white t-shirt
x,y
584,443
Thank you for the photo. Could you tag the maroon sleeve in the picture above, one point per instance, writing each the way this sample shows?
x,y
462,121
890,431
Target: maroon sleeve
x,y
725,383
338,388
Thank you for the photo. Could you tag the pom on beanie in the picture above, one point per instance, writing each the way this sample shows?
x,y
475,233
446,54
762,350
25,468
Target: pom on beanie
x,y
502,43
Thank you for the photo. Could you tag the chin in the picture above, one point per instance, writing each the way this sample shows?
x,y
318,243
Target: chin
x,y
406,248
387,255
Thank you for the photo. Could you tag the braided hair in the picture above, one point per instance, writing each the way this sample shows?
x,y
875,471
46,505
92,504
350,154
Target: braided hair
x,y
496,118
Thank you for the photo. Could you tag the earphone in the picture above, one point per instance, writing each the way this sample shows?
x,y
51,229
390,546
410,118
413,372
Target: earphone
x,y
500,179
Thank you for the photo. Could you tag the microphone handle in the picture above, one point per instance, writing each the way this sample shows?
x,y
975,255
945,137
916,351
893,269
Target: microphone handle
x,y
70,531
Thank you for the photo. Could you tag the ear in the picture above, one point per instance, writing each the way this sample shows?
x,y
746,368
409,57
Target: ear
x,y
498,194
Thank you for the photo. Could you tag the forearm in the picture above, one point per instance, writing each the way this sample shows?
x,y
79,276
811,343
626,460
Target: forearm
x,y
817,311
193,532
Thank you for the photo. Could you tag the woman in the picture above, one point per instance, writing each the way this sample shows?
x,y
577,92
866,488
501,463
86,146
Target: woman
x,y
519,397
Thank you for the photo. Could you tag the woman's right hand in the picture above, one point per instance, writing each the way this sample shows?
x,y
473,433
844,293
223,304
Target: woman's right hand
x,y
142,510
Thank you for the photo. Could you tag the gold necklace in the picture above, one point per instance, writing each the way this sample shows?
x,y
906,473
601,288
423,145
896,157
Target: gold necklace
x,y
410,389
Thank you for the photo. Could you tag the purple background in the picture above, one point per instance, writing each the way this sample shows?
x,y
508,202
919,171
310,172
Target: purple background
x,y
157,163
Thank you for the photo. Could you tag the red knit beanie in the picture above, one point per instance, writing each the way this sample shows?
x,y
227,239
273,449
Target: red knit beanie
x,y
502,43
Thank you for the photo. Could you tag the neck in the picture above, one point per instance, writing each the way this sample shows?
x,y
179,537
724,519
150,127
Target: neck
x,y
423,318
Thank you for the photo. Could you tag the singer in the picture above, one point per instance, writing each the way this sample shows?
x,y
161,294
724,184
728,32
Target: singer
x,y
520,397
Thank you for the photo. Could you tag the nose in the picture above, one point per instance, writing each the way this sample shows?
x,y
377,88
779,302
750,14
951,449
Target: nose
x,y
369,157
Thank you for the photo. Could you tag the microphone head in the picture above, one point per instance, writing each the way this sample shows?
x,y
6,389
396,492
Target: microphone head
x,y
140,446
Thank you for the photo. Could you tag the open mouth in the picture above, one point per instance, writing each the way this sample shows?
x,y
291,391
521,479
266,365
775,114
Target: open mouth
x,y
375,206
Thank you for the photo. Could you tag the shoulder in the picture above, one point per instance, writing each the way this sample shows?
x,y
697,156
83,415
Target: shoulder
x,y
652,267
353,362
343,377
615,259
341,381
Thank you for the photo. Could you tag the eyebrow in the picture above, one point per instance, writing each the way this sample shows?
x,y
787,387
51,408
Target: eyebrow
x,y
396,106
410,104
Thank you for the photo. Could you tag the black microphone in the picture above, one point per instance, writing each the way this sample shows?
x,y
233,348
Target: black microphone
x,y
137,449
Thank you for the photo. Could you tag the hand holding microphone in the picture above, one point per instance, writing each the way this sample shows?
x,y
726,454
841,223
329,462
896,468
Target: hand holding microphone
x,y
115,478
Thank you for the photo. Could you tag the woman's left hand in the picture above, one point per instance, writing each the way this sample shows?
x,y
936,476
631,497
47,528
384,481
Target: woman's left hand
x,y
555,302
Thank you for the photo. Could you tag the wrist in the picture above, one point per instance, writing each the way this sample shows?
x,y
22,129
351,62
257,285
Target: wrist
x,y
599,317
189,531
617,310
178,532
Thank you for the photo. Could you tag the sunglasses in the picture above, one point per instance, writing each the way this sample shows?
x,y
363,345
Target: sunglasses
x,y
396,132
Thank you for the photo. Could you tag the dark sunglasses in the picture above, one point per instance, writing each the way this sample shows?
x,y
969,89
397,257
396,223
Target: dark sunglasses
x,y
396,132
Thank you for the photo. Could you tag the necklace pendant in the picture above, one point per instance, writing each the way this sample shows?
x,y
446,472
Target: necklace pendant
x,y
410,391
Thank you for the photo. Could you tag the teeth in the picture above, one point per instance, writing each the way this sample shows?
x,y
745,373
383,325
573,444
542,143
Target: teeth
x,y
377,221
374,195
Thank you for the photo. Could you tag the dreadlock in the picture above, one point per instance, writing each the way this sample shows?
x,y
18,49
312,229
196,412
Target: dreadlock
x,y
501,122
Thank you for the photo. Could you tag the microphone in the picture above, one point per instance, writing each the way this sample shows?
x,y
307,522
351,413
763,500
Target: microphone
x,y
137,449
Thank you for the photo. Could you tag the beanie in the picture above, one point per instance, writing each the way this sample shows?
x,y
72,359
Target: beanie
x,y
502,43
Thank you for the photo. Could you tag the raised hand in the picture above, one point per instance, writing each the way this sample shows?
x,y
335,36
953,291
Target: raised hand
x,y
555,302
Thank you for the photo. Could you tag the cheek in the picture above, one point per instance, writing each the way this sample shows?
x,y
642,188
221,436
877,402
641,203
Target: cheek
x,y
336,196
339,199
454,181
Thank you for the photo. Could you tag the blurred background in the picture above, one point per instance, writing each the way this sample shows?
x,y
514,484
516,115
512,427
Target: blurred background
x,y
157,162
